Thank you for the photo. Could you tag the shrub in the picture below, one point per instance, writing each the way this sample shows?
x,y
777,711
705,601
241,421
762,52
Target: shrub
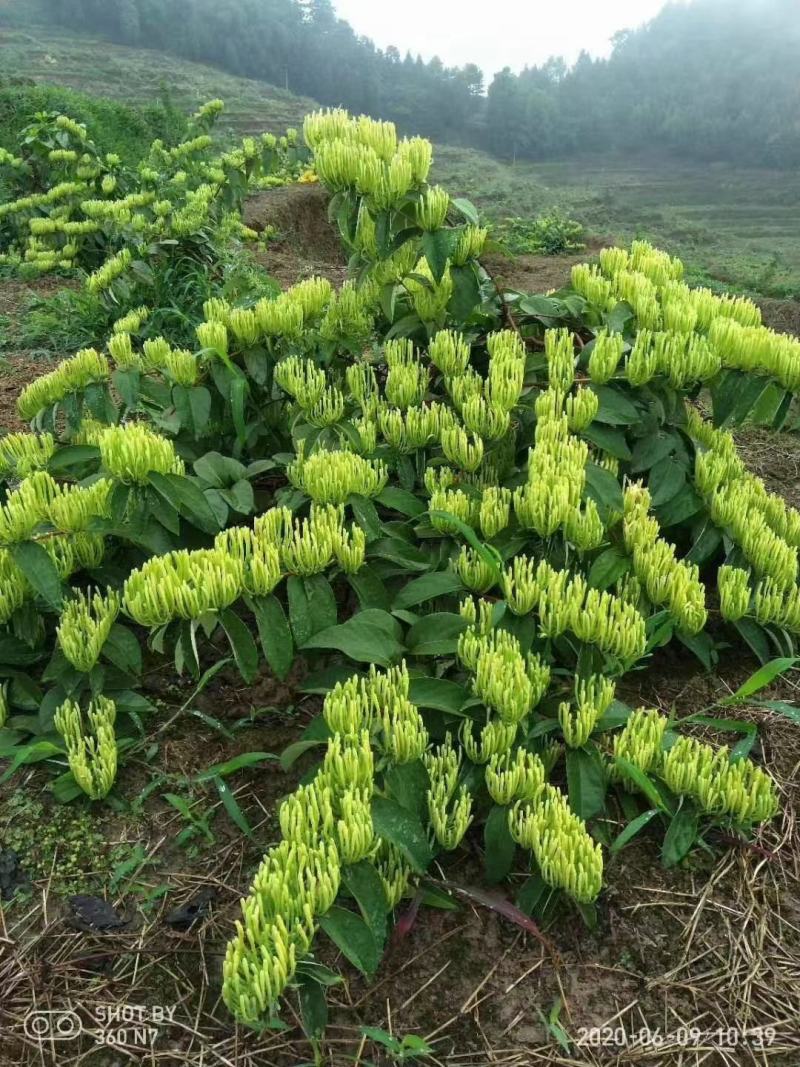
x,y
478,516
548,235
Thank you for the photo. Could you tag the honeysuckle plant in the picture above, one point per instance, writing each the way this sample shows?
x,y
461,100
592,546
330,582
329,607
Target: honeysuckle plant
x,y
470,513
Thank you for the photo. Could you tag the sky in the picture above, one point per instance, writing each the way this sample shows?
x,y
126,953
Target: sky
x,y
496,33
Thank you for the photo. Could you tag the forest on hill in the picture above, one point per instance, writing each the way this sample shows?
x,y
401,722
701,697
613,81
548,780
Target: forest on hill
x,y
711,79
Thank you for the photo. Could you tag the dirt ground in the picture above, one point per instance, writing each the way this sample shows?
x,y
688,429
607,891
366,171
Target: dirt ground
x,y
692,966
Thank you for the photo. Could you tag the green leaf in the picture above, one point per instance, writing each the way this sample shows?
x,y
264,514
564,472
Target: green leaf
x,y
408,784
313,1007
615,408
366,516
780,707
641,781
680,836
275,635
218,471
240,389
466,292
397,825
368,637
292,753
756,637
242,644
651,450
681,507
187,499
586,779
365,884
299,610
467,209
611,441
760,679
32,753
436,247
436,634
73,456
499,845
123,650
321,602
666,479
438,693
244,759
369,589
428,587
604,488
632,829
231,806
401,500
39,570
353,938
608,567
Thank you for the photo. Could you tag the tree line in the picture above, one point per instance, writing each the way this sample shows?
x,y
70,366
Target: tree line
x,y
714,79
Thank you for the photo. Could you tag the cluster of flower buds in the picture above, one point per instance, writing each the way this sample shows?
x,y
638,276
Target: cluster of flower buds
x,y
566,855
765,529
183,584
84,627
511,777
71,375
593,697
213,337
559,352
640,743
460,504
449,352
23,453
350,314
773,602
260,559
564,602
14,587
308,546
407,377
449,806
39,499
469,244
495,510
92,755
130,452
429,297
108,273
666,580
506,681
431,208
394,872
740,790
758,350
415,428
332,477
683,358
734,592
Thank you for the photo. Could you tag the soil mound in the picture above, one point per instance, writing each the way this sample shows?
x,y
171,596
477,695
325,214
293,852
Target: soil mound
x,y
305,242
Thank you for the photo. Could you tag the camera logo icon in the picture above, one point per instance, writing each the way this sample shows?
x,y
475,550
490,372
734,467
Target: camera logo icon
x,y
56,1025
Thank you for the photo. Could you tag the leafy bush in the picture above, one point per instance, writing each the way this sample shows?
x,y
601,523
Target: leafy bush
x,y
548,235
474,514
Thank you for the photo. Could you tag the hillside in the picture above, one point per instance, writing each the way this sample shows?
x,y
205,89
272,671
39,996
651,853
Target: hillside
x,y
138,75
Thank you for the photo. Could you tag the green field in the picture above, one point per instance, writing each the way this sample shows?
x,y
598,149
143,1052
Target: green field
x,y
139,76
736,226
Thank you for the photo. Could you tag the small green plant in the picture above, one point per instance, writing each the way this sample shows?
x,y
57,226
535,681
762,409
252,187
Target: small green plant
x,y
551,234
408,1049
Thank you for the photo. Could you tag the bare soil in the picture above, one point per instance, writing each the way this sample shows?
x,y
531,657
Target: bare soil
x,y
305,242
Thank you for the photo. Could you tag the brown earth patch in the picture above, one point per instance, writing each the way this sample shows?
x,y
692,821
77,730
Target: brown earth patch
x,y
17,371
781,315
538,274
305,242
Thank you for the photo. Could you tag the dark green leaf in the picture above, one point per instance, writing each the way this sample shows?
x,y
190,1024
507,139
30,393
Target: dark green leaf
x,y
242,644
428,587
313,1008
397,825
231,806
368,637
499,845
353,937
275,635
222,770
438,693
760,679
667,478
611,441
586,779
401,500
39,570
187,499
408,784
608,567
365,884
680,836
123,650
632,829
436,634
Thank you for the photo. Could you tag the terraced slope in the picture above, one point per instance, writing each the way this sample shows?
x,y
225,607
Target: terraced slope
x,y
138,75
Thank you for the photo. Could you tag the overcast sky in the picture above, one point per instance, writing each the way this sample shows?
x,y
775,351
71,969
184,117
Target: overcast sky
x,y
496,33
